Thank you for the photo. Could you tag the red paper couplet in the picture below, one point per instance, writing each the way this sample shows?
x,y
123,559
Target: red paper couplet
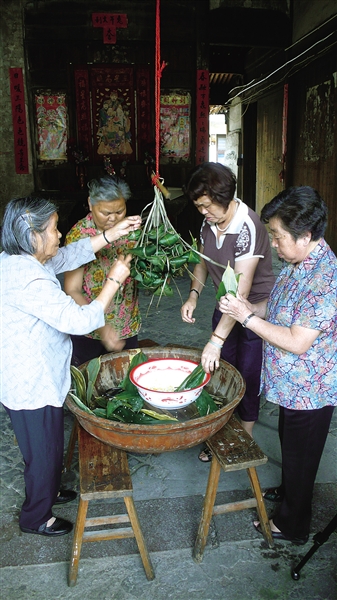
x,y
202,116
143,110
19,121
83,109
110,22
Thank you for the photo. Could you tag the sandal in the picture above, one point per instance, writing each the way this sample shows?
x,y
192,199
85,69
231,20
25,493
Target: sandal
x,y
273,495
205,455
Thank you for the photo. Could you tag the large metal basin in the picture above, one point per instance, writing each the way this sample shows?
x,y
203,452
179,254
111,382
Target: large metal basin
x,y
227,384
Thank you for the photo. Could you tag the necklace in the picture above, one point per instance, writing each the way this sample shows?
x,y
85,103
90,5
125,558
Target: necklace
x,y
222,230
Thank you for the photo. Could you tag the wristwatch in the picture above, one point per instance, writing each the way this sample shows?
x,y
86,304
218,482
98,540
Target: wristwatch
x,y
244,324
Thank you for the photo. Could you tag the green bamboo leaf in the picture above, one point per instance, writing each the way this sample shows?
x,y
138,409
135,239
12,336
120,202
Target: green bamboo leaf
x,y
195,378
138,359
100,412
159,416
230,281
205,404
79,383
80,404
93,368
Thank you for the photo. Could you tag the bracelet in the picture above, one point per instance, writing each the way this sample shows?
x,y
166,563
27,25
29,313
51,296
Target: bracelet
x,y
106,239
115,281
219,336
196,291
244,324
215,344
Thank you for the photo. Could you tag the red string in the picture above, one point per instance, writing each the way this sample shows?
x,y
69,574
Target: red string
x,y
158,72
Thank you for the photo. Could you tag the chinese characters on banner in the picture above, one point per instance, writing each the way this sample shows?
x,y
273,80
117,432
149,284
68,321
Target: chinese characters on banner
x,y
51,116
175,126
83,110
202,116
143,110
109,22
19,121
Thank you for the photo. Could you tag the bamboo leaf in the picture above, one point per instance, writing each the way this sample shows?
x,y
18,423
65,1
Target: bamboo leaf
x,y
159,416
229,281
93,368
79,383
80,404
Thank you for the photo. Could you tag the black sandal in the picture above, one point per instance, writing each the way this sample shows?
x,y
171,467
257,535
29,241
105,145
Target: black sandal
x,y
273,495
207,455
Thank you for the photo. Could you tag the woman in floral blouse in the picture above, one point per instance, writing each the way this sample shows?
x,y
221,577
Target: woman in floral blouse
x,y
299,329
107,203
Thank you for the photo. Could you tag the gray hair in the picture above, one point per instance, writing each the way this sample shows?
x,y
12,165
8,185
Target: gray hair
x,y
23,218
108,189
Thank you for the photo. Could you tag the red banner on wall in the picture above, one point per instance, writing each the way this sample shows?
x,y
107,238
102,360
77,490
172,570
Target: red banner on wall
x,y
202,114
83,119
143,110
109,22
19,121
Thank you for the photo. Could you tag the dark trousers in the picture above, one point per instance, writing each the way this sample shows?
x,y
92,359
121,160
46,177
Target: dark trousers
x,y
243,350
85,348
40,436
302,435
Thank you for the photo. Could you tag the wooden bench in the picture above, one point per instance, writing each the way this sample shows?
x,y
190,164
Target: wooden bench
x,y
104,474
233,449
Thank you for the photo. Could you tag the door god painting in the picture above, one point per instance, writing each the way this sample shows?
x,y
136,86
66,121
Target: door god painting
x,y
114,125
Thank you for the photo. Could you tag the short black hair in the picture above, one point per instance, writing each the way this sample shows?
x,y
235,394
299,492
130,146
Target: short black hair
x,y
300,209
214,180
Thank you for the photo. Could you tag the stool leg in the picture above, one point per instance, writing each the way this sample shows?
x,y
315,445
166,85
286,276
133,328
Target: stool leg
x,y
207,511
71,446
261,509
77,542
130,506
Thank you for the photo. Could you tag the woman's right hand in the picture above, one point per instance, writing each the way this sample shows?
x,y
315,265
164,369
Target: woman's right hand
x,y
187,311
123,227
120,269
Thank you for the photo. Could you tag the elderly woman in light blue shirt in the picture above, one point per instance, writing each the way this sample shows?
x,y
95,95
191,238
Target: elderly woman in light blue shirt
x,y
38,318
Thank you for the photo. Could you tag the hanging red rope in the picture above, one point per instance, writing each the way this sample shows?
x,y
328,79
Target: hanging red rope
x,y
158,72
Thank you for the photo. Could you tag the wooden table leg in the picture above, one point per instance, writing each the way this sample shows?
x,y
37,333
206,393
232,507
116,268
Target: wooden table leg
x,y
207,511
139,537
261,509
77,541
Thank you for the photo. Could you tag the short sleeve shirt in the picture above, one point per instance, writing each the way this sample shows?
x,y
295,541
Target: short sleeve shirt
x,y
246,237
123,313
304,295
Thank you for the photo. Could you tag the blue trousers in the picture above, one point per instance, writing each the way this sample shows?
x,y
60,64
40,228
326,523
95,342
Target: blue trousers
x,y
40,436
243,350
302,435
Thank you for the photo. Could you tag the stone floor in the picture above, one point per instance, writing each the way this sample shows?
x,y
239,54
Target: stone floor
x,y
168,491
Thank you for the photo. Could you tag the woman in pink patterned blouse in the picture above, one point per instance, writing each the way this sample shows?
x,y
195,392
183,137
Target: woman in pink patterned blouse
x,y
107,203
299,327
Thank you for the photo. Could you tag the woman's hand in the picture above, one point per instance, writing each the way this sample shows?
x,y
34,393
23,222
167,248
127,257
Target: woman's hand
x,y
120,269
110,339
210,358
236,307
123,228
187,310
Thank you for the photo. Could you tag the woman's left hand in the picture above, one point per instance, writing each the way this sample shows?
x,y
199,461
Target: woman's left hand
x,y
210,358
123,227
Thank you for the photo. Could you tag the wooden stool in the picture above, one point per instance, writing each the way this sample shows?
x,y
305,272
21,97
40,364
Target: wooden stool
x,y
104,473
233,449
